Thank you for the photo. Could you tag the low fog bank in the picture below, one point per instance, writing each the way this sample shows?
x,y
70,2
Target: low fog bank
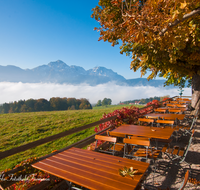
x,y
11,92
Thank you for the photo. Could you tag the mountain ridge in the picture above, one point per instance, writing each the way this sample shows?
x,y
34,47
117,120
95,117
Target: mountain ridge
x,y
60,72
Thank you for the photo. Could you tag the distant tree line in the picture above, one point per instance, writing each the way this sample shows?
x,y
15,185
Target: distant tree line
x,y
146,100
32,105
104,102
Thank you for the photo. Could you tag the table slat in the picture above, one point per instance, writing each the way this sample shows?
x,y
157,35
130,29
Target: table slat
x,y
92,170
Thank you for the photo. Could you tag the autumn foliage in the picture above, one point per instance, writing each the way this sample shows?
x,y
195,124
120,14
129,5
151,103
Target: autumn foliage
x,y
161,36
128,115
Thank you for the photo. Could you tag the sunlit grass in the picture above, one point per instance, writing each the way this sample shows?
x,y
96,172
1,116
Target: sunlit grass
x,y
17,129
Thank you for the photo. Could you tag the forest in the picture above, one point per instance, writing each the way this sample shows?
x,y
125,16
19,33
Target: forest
x,y
55,103
146,100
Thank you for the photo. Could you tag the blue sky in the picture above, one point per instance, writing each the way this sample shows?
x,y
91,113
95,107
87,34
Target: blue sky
x,y
36,32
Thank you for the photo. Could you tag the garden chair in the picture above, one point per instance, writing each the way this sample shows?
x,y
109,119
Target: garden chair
x,y
183,102
171,105
192,117
188,128
140,148
161,110
173,102
181,105
174,111
146,121
119,145
176,121
177,153
165,123
108,146
183,99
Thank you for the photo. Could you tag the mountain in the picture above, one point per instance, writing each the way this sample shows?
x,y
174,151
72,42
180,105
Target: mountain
x,y
60,72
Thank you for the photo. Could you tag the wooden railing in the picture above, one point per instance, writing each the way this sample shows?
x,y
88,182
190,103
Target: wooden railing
x,y
80,144
51,138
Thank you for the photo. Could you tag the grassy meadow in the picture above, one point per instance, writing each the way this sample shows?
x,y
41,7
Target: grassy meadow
x,y
17,129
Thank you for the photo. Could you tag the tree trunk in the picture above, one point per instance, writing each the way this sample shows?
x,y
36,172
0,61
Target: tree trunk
x,y
196,93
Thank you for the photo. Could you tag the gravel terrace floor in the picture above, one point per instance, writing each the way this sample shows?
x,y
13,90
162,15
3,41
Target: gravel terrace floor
x,y
170,176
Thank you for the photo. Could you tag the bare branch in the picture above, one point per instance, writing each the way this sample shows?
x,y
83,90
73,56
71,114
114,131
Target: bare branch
x,y
130,5
186,16
126,5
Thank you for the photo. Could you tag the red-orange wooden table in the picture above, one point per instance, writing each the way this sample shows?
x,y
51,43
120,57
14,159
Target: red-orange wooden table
x,y
145,131
92,170
165,115
167,108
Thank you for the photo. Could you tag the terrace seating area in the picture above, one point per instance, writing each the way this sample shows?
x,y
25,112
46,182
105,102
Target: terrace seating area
x,y
163,139
152,154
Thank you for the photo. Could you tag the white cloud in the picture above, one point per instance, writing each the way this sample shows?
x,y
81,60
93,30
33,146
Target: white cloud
x,y
22,91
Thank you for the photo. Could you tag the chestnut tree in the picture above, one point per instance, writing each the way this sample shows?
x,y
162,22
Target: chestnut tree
x,y
161,36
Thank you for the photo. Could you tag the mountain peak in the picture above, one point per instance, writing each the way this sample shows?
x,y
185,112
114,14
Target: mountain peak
x,y
57,63
104,72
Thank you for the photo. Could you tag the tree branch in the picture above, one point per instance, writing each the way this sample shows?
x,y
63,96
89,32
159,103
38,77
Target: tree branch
x,y
186,16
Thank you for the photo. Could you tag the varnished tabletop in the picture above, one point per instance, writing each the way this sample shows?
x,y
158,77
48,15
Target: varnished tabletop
x,y
165,115
167,108
92,170
145,131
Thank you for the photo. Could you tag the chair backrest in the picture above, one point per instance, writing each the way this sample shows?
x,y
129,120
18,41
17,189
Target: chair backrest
x,y
181,105
170,122
160,110
137,141
174,110
113,134
171,105
183,102
106,138
185,180
165,122
173,102
169,118
138,138
145,120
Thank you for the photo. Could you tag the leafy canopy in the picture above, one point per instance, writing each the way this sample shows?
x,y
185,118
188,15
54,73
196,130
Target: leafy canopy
x,y
162,36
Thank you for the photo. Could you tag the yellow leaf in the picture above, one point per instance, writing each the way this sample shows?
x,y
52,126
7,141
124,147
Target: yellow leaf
x,y
183,5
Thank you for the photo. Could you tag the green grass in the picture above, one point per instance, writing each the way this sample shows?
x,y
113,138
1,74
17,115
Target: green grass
x,y
17,129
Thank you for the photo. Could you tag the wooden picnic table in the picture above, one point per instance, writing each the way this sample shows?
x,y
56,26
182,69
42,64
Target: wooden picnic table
x,y
92,170
167,108
165,115
145,131
184,102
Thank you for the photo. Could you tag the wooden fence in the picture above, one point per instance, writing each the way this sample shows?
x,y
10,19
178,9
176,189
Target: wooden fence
x,y
80,144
